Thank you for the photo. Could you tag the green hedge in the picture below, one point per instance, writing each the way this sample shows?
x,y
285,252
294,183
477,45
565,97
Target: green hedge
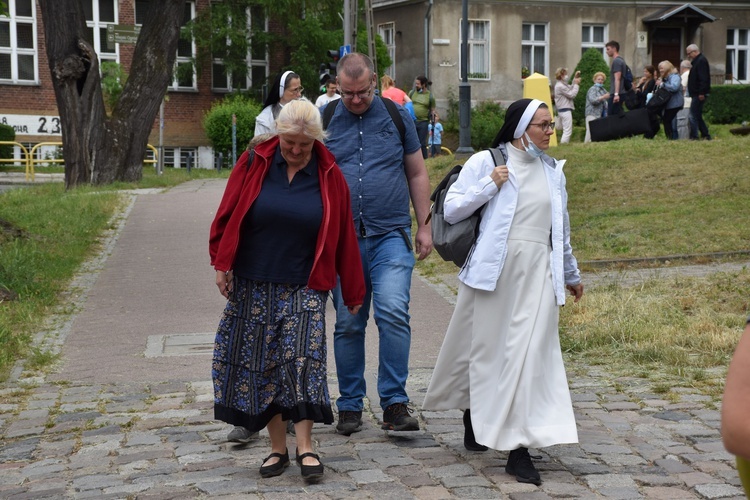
x,y
728,104
6,134
486,119
591,62
218,123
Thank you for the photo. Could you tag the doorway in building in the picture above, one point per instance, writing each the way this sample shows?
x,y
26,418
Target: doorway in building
x,y
666,45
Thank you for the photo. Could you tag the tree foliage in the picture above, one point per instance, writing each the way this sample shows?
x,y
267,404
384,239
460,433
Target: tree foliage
x,y
309,30
591,62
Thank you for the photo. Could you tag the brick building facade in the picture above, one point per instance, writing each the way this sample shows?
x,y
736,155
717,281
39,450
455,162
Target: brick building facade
x,y
27,97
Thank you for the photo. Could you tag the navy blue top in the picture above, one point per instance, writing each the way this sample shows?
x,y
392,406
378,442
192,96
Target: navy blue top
x,y
369,152
280,231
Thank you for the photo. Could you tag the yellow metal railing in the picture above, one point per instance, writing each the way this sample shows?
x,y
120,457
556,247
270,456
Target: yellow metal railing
x,y
24,161
30,160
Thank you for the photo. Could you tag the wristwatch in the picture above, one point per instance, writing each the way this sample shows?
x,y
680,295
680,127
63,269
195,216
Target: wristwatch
x,y
616,93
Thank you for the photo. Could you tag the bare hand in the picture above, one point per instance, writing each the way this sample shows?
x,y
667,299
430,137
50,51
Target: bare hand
x,y
577,80
604,97
576,291
354,309
500,175
423,242
224,282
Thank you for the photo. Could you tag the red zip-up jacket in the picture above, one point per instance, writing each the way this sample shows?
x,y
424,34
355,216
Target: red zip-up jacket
x,y
336,251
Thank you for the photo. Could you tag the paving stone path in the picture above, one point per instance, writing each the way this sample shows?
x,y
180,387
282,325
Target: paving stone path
x,y
113,421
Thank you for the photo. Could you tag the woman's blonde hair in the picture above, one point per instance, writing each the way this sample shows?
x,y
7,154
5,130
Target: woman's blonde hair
x,y
560,72
386,82
300,117
598,74
668,66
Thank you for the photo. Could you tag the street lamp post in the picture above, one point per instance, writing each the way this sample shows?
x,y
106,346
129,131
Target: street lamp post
x,y
464,89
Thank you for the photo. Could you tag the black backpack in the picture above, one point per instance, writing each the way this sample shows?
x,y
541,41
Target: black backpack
x,y
454,242
627,78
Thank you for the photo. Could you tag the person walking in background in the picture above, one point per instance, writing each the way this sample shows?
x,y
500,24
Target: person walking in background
x,y
282,234
389,90
436,135
616,77
330,94
670,80
699,87
681,122
424,103
735,408
596,102
286,87
501,359
564,94
383,175
646,86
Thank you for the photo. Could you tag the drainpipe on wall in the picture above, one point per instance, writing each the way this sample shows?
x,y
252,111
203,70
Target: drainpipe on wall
x,y
427,40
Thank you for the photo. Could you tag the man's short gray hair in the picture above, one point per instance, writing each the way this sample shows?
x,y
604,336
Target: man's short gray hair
x,y
354,65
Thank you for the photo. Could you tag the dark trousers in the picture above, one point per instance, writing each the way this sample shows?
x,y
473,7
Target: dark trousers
x,y
696,119
668,117
614,108
422,133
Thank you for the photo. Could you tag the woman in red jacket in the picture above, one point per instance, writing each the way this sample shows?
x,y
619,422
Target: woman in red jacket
x,y
282,234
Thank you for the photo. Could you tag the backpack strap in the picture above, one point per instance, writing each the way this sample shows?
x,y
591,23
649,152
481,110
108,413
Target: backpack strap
x,y
330,109
495,152
395,116
328,112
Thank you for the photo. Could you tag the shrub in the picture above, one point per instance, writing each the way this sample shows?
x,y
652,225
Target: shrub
x,y
728,104
6,134
591,62
217,123
486,120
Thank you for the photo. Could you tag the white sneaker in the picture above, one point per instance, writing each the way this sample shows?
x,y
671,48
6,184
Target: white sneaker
x,y
241,435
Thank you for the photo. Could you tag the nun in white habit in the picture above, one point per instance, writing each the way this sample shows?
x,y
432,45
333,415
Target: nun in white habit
x,y
501,360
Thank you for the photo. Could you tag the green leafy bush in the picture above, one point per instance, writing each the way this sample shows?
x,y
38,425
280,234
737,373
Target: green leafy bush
x,y
591,62
486,120
6,134
218,123
113,81
728,104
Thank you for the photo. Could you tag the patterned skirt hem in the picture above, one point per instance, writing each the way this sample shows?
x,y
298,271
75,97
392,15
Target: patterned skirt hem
x,y
321,414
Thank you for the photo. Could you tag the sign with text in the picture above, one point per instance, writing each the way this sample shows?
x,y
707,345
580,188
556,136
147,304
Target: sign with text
x,y
33,124
123,33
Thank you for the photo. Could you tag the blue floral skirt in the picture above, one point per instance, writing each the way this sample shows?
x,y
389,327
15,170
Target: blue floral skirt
x,y
270,355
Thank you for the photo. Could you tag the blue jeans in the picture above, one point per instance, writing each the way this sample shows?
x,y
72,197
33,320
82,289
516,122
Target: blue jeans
x,y
388,264
696,119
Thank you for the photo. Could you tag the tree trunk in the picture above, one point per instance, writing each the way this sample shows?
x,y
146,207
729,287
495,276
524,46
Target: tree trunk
x,y
98,149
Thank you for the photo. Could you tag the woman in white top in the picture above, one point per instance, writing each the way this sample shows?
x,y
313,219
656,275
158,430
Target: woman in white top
x,y
501,359
286,87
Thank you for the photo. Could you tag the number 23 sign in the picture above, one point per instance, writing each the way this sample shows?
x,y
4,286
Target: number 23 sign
x,y
33,124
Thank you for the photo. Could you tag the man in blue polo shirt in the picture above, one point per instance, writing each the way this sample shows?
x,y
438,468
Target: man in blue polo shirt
x,y
383,174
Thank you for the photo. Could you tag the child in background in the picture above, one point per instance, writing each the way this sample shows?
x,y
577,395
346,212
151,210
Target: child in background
x,y
435,129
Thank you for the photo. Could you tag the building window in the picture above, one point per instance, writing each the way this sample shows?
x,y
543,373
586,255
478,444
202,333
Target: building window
x,y
478,67
387,32
593,36
256,72
18,57
738,46
534,48
100,13
184,76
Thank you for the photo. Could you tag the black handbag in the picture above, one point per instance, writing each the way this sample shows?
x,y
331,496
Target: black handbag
x,y
659,100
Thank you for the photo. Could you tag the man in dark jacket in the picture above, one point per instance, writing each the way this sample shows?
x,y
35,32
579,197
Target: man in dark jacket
x,y
699,86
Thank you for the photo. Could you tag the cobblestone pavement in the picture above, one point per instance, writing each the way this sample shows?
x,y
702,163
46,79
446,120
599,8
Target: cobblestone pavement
x,y
88,431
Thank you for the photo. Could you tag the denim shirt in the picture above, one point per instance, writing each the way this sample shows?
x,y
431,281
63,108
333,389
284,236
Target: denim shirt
x,y
369,152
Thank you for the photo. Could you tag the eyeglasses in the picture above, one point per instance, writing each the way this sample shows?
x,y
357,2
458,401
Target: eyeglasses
x,y
545,125
351,95
298,90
